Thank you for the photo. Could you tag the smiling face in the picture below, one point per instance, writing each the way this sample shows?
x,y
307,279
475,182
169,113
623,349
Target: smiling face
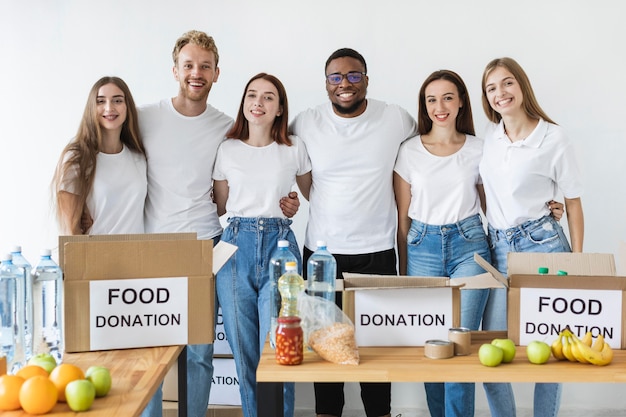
x,y
196,71
261,103
111,107
348,99
442,102
503,92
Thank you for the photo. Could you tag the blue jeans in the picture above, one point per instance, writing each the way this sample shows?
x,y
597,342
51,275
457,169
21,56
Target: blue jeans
x,y
541,235
243,291
448,251
199,368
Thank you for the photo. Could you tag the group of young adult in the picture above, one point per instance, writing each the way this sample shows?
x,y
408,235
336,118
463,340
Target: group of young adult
x,y
361,163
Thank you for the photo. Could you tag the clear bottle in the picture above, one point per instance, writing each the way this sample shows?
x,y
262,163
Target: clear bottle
x,y
279,258
11,313
321,273
20,261
290,285
47,279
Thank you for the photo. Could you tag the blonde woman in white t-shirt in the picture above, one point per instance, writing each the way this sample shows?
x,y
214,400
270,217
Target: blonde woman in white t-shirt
x,y
255,167
100,182
527,159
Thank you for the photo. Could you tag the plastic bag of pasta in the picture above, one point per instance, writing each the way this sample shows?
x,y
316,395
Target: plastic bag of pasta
x,y
327,330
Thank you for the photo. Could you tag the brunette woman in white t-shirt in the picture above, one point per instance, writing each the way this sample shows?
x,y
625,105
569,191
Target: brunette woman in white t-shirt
x,y
100,182
527,159
439,196
257,165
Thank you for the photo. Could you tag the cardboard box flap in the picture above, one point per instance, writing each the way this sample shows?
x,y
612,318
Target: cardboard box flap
x,y
96,260
622,258
569,281
574,263
353,281
491,270
477,282
110,238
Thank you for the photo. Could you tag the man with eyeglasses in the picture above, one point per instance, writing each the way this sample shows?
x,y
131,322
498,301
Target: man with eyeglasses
x,y
353,142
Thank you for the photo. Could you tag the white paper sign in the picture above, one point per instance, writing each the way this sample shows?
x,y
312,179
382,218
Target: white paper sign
x,y
544,312
221,346
225,384
402,317
128,313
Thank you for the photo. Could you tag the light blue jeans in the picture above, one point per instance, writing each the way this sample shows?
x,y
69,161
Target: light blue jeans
x,y
243,291
199,379
541,235
448,251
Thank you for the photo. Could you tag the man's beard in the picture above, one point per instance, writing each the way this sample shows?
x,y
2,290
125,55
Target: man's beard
x,y
349,110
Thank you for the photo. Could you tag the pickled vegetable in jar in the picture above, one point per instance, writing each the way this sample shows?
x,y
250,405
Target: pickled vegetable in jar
x,y
289,341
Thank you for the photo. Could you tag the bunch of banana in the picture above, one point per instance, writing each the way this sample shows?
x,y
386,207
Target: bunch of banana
x,y
569,347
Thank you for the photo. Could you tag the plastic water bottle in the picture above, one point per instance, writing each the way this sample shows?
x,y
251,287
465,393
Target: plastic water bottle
x,y
290,285
11,313
279,258
321,273
25,267
47,279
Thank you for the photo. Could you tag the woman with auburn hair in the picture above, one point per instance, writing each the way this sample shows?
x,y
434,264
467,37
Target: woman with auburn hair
x,y
100,182
527,158
439,196
257,165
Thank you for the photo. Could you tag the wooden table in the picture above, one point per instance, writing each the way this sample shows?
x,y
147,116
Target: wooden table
x,y
136,374
408,364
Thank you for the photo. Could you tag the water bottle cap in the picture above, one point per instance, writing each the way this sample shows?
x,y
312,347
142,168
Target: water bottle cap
x,y
45,252
321,243
283,243
290,266
7,257
16,248
543,270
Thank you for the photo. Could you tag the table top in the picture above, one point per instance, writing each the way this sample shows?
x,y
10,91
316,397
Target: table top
x,y
408,364
136,374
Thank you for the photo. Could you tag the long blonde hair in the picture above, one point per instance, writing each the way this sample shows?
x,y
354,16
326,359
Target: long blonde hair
x,y
80,154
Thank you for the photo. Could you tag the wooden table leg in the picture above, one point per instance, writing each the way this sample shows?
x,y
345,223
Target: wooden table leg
x,y
269,399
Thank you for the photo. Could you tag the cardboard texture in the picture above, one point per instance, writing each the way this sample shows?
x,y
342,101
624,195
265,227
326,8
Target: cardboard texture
x,y
580,295
120,257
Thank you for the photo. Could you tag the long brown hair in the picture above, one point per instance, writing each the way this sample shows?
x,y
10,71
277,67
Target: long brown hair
x,y
464,120
80,154
280,131
529,103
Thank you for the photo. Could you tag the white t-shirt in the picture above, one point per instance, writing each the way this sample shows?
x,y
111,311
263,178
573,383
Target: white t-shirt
x,y
443,188
116,201
181,153
351,204
520,177
259,176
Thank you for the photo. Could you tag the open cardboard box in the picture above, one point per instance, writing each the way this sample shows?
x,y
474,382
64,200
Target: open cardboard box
x,y
590,297
406,311
126,291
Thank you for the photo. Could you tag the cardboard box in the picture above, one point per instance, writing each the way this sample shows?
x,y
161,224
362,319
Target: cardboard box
x,y
125,291
170,409
224,389
590,297
405,311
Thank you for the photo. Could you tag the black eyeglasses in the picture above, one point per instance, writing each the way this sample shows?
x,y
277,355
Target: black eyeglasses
x,y
353,77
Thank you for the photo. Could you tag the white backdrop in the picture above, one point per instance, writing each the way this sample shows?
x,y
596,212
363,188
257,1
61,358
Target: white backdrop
x,y
53,51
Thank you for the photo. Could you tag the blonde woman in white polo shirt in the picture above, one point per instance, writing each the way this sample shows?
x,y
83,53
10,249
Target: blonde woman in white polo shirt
x,y
527,159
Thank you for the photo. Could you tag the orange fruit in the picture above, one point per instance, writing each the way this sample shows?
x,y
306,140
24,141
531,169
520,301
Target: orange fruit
x,y
10,392
38,395
29,371
62,375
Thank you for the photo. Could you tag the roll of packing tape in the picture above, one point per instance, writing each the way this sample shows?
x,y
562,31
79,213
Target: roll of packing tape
x,y
438,349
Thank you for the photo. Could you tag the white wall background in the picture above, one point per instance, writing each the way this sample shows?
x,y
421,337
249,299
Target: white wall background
x,y
54,50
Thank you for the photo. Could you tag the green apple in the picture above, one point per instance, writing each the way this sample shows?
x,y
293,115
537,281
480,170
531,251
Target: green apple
x,y
490,355
100,377
508,348
80,394
45,360
538,352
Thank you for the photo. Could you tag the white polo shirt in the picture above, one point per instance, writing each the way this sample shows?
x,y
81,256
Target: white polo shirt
x,y
520,177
